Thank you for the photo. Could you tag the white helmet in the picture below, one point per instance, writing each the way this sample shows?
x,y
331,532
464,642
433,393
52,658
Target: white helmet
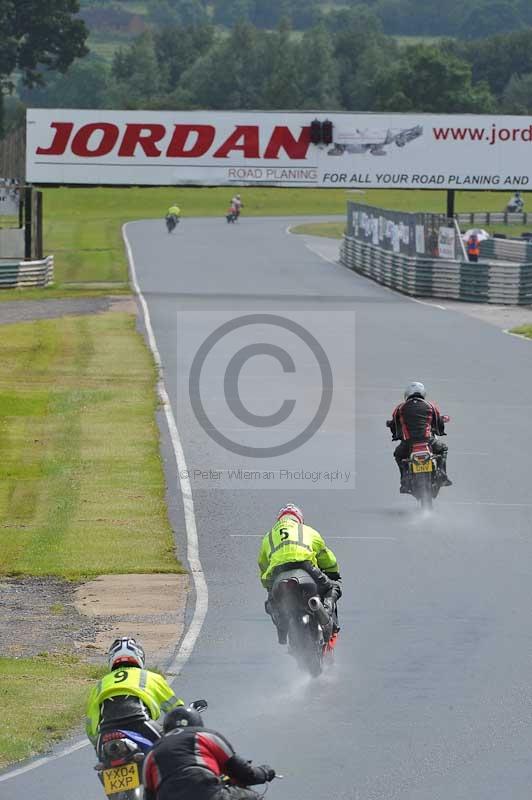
x,y
291,510
413,389
125,651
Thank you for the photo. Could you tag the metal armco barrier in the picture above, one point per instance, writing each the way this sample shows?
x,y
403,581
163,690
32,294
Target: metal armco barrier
x,y
475,219
17,274
518,250
419,276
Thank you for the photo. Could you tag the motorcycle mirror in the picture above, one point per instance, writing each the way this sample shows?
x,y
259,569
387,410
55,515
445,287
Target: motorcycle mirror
x,y
199,705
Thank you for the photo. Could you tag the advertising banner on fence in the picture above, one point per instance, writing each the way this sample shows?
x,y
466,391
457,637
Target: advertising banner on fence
x,y
9,198
399,232
274,148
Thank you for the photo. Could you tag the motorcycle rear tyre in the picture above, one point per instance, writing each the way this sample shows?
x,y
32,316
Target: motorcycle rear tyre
x,y
425,491
304,641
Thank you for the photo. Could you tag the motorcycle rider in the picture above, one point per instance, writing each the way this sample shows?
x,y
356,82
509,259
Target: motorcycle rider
x,y
417,420
129,696
188,761
291,544
174,211
236,203
172,217
516,203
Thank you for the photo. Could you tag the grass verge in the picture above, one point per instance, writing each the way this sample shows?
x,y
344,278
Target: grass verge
x,y
523,330
330,230
82,489
47,714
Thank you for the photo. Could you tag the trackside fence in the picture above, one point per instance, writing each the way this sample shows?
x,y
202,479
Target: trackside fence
x,y
476,219
425,274
18,274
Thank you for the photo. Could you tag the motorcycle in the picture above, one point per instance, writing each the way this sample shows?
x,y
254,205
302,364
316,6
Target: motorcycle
x,y
232,214
515,205
423,470
171,222
121,753
311,634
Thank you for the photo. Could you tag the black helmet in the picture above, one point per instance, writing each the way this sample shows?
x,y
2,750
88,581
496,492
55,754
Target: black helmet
x,y
182,717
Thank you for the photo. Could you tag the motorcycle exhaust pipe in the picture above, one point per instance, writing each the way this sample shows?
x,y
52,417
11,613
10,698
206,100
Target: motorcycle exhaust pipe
x,y
316,606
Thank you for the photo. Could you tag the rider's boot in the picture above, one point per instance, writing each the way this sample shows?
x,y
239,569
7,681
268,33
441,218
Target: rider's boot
x,y
329,602
443,471
278,621
405,483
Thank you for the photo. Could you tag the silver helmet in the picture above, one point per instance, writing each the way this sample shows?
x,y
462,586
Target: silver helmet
x,y
415,388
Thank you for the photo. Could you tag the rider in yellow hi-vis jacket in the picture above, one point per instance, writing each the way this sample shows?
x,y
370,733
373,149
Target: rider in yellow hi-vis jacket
x,y
291,543
129,696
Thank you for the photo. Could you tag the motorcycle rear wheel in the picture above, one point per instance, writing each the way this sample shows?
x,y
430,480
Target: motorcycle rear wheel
x,y
305,643
425,492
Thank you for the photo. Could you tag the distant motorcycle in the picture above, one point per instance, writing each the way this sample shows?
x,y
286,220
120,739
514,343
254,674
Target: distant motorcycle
x,y
516,205
310,622
233,214
171,222
121,753
423,469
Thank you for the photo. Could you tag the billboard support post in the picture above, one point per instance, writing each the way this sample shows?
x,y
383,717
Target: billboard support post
x,y
39,250
450,203
28,222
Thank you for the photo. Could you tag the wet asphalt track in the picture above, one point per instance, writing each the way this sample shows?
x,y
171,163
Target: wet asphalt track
x,y
430,695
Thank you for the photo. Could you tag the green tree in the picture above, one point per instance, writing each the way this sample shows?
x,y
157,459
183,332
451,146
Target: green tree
x,y
319,70
138,77
517,95
496,58
354,33
304,13
428,79
85,85
490,17
231,12
376,66
282,88
233,73
178,47
37,36
177,12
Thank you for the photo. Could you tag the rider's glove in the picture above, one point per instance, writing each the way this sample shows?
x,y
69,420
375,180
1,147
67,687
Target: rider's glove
x,y
337,591
269,772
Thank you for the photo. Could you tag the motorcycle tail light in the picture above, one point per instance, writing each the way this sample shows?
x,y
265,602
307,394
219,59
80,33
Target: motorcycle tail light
x,y
108,737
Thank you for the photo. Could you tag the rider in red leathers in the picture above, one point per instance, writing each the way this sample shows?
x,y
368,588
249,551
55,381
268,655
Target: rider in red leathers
x,y
418,420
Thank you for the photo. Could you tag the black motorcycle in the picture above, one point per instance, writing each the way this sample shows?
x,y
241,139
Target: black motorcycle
x,y
422,467
310,623
423,474
121,753
171,222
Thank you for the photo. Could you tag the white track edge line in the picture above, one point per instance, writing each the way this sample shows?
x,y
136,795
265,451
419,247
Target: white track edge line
x,y
200,584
